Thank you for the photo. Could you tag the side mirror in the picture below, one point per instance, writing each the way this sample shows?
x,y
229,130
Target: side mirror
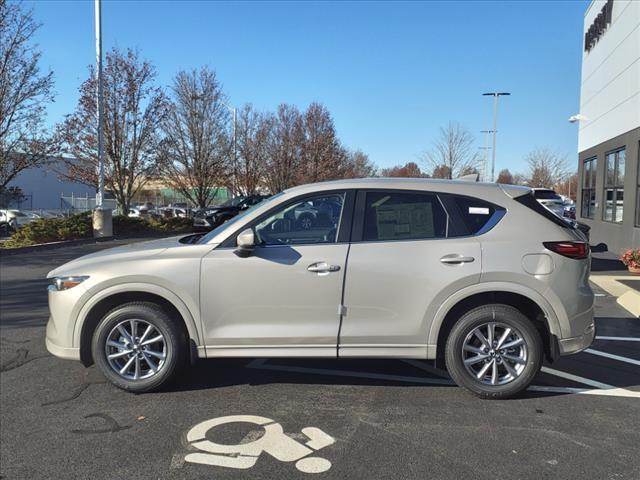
x,y
246,242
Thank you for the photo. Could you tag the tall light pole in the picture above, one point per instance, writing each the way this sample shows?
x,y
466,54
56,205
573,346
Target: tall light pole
x,y
486,148
495,96
102,225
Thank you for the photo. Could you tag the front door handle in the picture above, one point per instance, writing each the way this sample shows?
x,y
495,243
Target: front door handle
x,y
323,267
456,259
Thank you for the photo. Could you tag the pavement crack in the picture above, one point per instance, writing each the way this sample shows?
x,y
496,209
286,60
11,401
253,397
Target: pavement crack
x,y
74,394
112,425
19,359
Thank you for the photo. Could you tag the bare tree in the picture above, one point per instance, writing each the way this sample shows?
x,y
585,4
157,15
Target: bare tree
x,y
254,132
546,168
285,149
505,177
454,149
441,171
196,147
568,187
24,94
133,111
410,169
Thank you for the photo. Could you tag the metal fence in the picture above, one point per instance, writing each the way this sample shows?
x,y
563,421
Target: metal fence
x,y
76,204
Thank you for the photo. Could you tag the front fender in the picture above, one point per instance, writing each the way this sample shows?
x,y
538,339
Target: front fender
x,y
98,294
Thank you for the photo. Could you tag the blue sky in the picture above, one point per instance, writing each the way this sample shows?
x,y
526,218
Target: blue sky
x,y
391,73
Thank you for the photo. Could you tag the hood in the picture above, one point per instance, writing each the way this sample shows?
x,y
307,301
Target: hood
x,y
125,252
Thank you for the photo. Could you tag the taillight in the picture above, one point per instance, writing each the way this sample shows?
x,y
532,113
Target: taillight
x,y
577,250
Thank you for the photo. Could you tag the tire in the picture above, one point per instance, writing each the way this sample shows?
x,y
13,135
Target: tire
x,y
306,221
524,358
173,347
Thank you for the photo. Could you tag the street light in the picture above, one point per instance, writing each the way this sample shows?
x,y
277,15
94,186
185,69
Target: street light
x,y
486,148
102,224
495,96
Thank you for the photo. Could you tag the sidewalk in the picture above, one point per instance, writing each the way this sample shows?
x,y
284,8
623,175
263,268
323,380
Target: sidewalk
x,y
612,276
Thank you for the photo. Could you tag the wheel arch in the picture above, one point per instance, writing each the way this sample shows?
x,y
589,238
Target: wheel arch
x,y
99,305
531,304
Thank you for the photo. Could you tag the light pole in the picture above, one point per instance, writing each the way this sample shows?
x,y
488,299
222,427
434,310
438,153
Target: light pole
x,y
495,96
486,148
102,225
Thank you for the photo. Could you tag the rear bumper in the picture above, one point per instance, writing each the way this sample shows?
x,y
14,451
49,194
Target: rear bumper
x,y
569,346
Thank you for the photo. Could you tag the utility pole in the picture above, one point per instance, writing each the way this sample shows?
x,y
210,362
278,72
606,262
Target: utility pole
x,y
495,96
102,222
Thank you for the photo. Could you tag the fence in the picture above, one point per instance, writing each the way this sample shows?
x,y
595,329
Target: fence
x,y
76,204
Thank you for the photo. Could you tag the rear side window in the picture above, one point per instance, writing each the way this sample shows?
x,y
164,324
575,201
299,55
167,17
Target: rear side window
x,y
546,195
469,216
529,200
403,216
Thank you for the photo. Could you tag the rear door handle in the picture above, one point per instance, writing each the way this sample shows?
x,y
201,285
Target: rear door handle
x,y
323,268
455,259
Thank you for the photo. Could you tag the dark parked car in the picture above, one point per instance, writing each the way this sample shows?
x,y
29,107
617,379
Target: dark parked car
x,y
211,217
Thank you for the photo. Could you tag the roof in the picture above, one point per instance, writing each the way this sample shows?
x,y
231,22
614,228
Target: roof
x,y
434,184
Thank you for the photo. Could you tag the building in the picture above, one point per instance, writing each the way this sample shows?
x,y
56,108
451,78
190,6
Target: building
x,y
609,134
43,189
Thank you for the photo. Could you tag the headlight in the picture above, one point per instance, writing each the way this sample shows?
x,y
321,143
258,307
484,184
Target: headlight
x,y
65,283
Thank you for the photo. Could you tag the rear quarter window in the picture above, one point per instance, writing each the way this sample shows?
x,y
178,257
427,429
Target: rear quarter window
x,y
470,216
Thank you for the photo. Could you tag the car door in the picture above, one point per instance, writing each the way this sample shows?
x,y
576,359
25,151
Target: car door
x,y
284,298
403,262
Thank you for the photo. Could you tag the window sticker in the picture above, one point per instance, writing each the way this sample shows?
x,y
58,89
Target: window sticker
x,y
405,220
478,211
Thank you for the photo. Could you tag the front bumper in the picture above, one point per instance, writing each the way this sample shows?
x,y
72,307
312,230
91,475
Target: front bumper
x,y
569,346
68,353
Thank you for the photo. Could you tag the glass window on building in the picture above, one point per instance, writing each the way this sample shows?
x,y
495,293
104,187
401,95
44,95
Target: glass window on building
x,y
638,191
614,186
589,187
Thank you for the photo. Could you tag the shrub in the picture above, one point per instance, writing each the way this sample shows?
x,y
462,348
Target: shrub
x,y
80,226
631,258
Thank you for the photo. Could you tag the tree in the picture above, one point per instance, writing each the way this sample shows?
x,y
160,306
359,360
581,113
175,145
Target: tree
x,y
505,177
410,169
568,187
358,166
254,132
546,168
453,152
24,94
134,108
285,149
322,156
196,148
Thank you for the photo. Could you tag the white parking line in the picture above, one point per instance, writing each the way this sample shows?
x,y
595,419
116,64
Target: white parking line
x,y
619,339
612,356
601,388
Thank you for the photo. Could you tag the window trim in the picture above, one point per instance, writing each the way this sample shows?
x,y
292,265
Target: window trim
x,y
593,187
344,228
614,187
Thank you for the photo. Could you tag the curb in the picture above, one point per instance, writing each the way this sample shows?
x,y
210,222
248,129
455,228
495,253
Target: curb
x,y
73,243
627,297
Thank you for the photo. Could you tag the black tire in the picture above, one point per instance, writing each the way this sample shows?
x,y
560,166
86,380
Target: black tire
x,y
512,318
174,340
306,221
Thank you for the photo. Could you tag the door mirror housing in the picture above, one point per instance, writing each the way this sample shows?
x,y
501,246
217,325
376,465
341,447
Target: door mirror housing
x,y
246,243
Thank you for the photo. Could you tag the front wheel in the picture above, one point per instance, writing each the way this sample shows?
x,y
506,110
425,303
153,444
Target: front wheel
x,y
494,351
138,347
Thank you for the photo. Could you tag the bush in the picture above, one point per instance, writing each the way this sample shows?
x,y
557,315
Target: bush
x,y
80,226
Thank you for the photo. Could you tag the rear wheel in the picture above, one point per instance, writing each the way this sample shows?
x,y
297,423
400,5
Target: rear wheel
x,y
138,347
494,351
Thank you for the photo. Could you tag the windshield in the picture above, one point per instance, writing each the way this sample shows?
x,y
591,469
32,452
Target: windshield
x,y
206,238
546,195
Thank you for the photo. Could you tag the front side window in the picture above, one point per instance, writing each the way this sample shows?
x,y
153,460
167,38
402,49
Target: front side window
x,y
614,186
589,187
311,220
403,216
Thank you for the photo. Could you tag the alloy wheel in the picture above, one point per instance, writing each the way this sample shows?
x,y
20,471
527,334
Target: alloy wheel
x,y
135,349
494,353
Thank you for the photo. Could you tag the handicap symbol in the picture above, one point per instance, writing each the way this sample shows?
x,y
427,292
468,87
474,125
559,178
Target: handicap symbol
x,y
274,442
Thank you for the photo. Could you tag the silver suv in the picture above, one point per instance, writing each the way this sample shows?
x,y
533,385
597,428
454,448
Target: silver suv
x,y
478,276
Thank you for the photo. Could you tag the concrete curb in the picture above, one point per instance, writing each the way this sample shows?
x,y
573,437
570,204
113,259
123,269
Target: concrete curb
x,y
73,243
626,297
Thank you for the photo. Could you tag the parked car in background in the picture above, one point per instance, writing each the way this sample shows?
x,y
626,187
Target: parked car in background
x,y
480,276
210,217
15,218
569,212
550,199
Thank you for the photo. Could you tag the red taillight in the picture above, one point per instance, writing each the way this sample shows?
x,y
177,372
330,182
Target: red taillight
x,y
577,250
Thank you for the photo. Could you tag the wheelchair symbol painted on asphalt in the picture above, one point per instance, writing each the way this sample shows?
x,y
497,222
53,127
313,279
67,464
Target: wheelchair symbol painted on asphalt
x,y
274,442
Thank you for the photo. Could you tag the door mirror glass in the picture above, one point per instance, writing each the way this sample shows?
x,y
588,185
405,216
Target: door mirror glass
x,y
245,241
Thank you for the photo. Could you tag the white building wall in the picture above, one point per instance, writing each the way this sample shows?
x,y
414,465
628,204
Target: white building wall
x,y
610,90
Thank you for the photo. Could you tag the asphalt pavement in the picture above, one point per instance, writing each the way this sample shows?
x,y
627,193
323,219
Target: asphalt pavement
x,y
257,418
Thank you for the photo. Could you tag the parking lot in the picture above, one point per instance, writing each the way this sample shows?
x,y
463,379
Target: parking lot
x,y
297,418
